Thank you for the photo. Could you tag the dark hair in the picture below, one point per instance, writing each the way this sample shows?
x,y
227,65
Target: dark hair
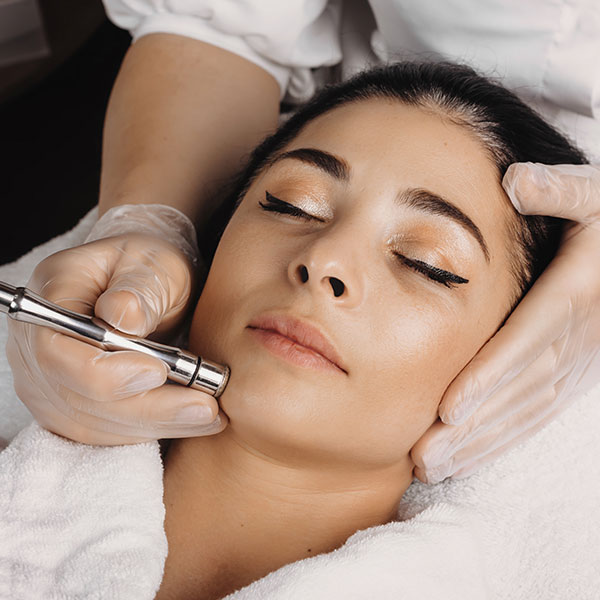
x,y
509,130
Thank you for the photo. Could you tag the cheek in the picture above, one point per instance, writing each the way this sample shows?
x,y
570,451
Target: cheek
x,y
416,355
234,270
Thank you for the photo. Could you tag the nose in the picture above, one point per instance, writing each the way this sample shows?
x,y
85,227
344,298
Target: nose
x,y
329,271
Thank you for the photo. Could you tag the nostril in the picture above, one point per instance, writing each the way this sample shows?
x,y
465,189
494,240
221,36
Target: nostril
x,y
337,286
303,274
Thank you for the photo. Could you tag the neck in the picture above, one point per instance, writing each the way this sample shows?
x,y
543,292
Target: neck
x,y
234,515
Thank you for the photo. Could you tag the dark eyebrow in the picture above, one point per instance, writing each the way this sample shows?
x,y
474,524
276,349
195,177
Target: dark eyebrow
x,y
427,201
329,163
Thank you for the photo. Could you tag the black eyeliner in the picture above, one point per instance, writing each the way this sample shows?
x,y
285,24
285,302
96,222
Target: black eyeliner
x,y
436,274
276,205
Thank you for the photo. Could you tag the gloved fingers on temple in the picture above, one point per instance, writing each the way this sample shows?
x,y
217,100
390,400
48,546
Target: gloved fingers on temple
x,y
566,191
150,284
149,416
441,441
92,372
537,321
517,428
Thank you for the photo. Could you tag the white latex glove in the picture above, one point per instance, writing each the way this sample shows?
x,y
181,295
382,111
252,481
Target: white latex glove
x,y
136,272
547,352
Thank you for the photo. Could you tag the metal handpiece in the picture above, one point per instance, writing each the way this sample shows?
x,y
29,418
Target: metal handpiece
x,y
184,367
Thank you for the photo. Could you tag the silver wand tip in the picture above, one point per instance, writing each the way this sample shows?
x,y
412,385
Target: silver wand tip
x,y
211,378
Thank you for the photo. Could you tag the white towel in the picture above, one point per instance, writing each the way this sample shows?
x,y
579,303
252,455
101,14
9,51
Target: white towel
x,y
87,522
79,521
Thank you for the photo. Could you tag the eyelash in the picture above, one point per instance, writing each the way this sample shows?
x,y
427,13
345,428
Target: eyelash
x,y
276,205
446,278
450,280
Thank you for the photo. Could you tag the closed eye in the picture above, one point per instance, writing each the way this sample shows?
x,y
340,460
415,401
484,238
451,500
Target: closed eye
x,y
434,273
446,278
273,204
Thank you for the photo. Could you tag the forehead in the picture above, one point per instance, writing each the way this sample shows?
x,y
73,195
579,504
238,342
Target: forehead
x,y
391,146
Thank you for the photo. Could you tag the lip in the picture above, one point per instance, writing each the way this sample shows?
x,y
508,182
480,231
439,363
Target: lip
x,y
303,340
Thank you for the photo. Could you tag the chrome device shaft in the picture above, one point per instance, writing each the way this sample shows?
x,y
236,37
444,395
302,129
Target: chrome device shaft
x,y
185,368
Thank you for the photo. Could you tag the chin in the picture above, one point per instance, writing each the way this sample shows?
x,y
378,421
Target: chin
x,y
270,408
260,389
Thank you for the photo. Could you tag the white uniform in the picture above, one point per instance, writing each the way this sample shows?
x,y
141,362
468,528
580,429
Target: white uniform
x,y
547,51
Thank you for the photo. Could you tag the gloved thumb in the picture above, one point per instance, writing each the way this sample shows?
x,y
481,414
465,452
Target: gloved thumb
x,y
125,310
146,291
566,191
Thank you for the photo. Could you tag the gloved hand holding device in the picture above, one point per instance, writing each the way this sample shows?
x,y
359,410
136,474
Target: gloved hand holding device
x,y
176,130
547,352
137,274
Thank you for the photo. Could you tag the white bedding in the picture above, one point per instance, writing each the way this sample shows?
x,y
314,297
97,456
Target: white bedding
x,y
86,522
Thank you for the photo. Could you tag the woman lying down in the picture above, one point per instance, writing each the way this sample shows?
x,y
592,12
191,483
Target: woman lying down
x,y
371,253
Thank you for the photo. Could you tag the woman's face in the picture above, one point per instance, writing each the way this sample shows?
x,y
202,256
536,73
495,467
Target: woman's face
x,y
384,227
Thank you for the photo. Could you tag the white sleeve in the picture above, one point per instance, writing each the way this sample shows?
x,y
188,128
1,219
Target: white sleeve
x,y
287,39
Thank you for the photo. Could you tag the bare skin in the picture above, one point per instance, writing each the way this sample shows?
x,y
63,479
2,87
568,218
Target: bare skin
x,y
314,453
176,130
233,515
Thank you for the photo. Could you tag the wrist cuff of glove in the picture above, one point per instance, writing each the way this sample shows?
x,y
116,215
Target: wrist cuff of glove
x,y
154,219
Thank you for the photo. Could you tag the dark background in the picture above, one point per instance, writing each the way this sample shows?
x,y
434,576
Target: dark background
x,y
51,118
